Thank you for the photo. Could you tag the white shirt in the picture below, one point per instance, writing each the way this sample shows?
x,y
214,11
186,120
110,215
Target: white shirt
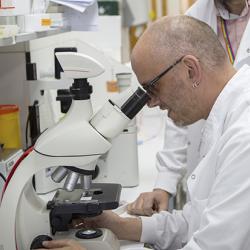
x,y
217,216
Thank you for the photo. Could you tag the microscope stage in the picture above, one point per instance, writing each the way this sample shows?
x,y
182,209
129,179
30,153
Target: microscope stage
x,y
66,206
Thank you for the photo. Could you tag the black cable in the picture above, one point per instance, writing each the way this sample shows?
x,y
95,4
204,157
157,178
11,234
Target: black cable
x,y
2,176
26,130
27,125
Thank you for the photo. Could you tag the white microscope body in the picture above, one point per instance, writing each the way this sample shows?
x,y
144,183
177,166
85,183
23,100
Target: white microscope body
x,y
78,140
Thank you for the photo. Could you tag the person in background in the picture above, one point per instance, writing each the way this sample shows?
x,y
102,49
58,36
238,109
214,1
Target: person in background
x,y
230,21
172,63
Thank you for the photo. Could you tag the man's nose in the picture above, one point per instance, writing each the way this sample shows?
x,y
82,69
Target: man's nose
x,y
153,102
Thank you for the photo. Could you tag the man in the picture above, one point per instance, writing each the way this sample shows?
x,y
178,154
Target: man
x,y
193,84
206,11
230,21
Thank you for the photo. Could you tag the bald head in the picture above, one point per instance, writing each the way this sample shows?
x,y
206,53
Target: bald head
x,y
185,60
169,38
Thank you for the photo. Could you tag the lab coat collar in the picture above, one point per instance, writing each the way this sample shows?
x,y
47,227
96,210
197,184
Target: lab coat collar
x,y
214,124
205,11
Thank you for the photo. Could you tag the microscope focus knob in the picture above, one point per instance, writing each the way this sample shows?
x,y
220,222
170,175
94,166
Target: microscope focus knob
x,y
38,241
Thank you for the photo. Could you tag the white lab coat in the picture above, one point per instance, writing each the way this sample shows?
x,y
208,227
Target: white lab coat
x,y
217,215
181,145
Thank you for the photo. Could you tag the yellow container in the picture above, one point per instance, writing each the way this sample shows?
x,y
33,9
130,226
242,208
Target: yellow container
x,y
10,134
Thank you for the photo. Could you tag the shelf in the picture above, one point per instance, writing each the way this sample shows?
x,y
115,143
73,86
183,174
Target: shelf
x,y
24,37
6,41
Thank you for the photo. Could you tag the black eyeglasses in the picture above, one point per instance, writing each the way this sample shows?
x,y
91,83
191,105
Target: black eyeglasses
x,y
149,87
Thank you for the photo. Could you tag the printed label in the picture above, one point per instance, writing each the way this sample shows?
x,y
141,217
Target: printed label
x,y
6,4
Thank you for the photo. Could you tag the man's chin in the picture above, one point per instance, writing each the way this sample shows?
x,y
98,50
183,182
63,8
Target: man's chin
x,y
180,123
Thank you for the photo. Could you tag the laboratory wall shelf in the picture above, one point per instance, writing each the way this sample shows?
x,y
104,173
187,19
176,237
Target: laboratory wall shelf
x,y
24,37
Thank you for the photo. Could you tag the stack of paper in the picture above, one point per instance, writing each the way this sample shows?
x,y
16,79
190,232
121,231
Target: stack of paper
x,y
79,5
80,15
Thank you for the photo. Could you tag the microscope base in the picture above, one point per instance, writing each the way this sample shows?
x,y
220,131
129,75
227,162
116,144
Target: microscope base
x,y
107,241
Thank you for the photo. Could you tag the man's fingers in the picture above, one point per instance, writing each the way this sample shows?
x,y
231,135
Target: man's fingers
x,y
161,199
129,207
62,244
148,211
136,206
78,223
162,206
56,243
85,222
148,205
142,206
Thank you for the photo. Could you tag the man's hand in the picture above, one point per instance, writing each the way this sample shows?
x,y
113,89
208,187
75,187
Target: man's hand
x,y
62,245
123,228
149,203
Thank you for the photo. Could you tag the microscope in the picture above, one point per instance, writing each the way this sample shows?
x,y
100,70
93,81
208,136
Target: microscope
x,y
73,145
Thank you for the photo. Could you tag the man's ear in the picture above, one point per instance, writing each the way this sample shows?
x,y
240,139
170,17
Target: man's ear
x,y
193,68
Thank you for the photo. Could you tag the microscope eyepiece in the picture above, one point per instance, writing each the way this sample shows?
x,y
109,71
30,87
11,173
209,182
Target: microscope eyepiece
x,y
135,103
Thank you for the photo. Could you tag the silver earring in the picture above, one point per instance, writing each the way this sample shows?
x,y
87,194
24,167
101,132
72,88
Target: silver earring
x,y
195,84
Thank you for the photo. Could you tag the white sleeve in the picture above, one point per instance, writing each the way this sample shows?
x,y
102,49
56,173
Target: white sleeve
x,y
171,161
224,223
166,230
